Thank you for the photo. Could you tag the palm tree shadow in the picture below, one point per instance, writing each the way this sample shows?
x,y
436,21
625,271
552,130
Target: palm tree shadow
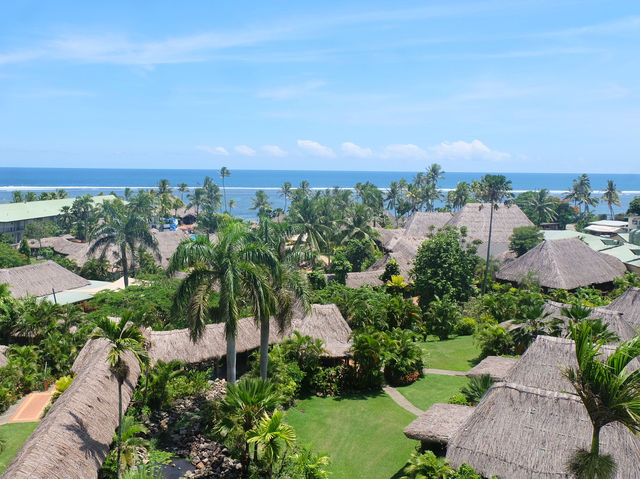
x,y
92,449
400,472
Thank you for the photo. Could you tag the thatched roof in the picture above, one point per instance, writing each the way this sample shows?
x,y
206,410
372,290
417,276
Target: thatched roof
x,y
368,278
3,356
388,235
439,423
542,364
518,431
325,322
73,439
495,366
563,264
422,223
615,320
629,305
39,279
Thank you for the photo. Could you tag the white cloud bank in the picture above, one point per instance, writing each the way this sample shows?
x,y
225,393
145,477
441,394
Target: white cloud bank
x,y
403,152
351,149
274,150
316,149
463,150
245,150
214,150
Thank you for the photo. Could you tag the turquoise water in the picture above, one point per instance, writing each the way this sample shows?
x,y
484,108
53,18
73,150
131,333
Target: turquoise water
x,y
242,184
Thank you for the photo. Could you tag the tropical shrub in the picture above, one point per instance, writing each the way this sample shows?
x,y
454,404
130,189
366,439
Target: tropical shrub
x,y
493,340
442,317
525,238
359,252
368,353
427,466
317,279
10,258
340,267
284,372
62,385
465,327
477,388
392,268
403,358
458,398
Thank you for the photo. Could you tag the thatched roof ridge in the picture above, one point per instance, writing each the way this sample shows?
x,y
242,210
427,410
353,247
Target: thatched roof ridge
x,y
519,431
3,356
325,322
496,366
563,264
364,278
615,320
388,235
39,279
629,305
542,364
439,423
476,217
74,437
424,223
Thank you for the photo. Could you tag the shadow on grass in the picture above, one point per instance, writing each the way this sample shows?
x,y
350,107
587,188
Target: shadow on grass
x,y
348,396
400,472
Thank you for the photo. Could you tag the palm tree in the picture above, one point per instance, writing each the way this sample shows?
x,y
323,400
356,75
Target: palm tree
x,y
125,229
610,196
131,441
16,197
164,187
82,208
307,222
124,338
492,189
224,173
543,206
393,196
285,192
182,188
128,193
310,465
236,265
305,188
357,224
211,197
434,173
61,194
271,433
261,203
195,199
609,394
31,196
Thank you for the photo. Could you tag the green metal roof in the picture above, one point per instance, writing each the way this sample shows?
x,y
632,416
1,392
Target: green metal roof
x,y
40,209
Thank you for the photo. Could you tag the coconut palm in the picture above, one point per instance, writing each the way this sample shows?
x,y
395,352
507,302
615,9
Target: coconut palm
x,y
224,173
82,209
125,229
16,197
164,187
195,199
211,197
236,265
543,206
393,197
357,224
128,193
609,394
182,189
285,192
460,196
308,223
124,338
492,189
271,434
305,188
434,173
261,203
610,196
61,194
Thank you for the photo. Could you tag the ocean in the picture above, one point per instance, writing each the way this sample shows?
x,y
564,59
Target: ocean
x,y
242,184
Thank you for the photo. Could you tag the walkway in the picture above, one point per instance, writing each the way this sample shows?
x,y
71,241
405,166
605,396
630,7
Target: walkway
x,y
445,372
401,401
31,407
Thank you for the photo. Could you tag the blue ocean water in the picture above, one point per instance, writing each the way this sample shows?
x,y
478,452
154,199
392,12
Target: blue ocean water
x,y
242,184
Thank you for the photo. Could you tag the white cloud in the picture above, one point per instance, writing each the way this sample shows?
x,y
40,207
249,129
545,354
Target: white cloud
x,y
214,150
463,150
403,151
245,150
291,91
316,149
351,149
274,150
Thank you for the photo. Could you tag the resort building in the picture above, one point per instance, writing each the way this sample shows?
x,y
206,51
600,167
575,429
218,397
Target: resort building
x,y
14,217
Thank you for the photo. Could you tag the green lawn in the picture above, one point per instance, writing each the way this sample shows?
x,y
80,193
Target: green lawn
x,y
14,435
456,354
432,388
362,434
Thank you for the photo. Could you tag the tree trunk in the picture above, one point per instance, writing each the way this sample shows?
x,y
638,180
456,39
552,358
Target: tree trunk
x,y
611,209
486,267
125,266
224,192
264,348
595,441
231,359
119,423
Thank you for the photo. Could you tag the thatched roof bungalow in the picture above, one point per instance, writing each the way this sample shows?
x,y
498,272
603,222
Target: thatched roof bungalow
x,y
629,305
520,431
365,278
439,423
495,366
421,223
39,279
73,439
325,322
563,264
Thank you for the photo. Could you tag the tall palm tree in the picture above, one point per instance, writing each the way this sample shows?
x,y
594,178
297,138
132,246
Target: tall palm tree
x,y
610,196
434,173
609,394
16,197
164,187
460,196
224,173
61,194
82,208
124,338
305,188
128,193
261,203
125,229
182,189
236,265
285,192
393,197
492,189
195,199
543,206
308,223
211,197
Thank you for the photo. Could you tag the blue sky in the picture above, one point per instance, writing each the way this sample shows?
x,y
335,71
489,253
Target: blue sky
x,y
508,86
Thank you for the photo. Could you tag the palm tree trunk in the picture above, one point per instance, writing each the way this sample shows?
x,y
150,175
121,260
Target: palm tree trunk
x,y
119,423
611,210
595,441
125,265
264,348
224,192
486,267
231,359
